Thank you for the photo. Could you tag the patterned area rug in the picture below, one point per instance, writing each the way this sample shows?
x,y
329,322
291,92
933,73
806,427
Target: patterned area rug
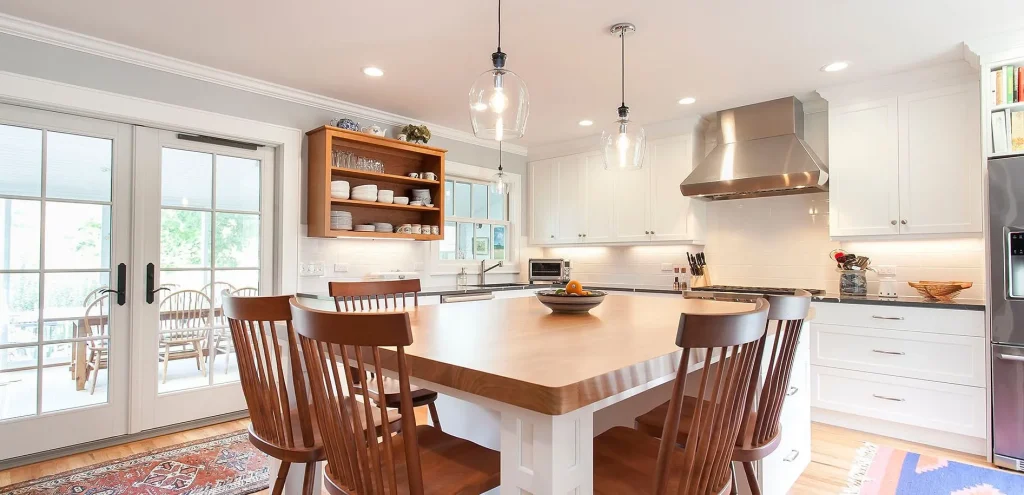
x,y
881,470
223,465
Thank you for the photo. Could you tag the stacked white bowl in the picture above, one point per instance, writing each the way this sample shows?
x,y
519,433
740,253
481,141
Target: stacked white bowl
x,y
339,189
401,200
366,192
421,195
383,227
341,220
385,196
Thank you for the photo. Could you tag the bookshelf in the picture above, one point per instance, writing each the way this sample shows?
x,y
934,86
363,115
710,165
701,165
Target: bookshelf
x,y
1003,116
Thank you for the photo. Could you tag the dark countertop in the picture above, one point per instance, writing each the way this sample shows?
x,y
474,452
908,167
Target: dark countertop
x,y
917,302
471,289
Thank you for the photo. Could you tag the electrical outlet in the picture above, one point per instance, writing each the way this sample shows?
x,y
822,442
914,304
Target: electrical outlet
x,y
340,267
666,267
316,269
418,266
885,270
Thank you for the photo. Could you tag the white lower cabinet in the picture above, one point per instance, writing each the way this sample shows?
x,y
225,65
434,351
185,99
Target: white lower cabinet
x,y
780,470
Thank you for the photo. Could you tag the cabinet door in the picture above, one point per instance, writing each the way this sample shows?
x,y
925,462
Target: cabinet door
x,y
599,193
543,200
630,198
571,172
940,161
863,168
670,163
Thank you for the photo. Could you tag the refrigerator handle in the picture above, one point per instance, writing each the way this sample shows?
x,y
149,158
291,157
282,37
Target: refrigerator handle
x,y
1010,357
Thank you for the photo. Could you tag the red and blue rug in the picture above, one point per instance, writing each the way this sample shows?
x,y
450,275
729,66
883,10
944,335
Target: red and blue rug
x,y
881,470
222,465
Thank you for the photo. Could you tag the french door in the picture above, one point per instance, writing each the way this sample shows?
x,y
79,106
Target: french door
x,y
203,227
65,246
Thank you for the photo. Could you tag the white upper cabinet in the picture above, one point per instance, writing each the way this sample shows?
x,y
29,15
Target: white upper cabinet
x,y
907,165
543,201
864,169
940,168
576,201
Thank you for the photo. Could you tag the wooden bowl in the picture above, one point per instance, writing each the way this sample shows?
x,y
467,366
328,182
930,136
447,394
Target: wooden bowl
x,y
570,304
942,291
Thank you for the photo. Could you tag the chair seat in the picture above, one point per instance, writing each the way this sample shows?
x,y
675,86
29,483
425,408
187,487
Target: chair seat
x,y
652,422
450,465
392,398
301,454
625,460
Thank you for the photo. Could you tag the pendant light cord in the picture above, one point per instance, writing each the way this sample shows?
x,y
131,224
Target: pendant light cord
x,y
622,34
499,157
499,25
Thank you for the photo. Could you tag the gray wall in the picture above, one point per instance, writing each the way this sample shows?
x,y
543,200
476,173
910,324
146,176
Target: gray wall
x,y
42,60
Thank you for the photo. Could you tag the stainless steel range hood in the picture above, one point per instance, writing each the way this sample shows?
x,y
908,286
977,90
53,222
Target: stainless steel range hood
x,y
760,152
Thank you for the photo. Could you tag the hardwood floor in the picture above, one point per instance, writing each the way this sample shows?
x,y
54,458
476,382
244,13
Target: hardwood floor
x,y
833,450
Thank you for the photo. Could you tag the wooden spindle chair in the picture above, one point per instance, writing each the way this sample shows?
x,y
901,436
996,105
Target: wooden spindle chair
x,y
760,434
185,321
338,347
627,461
279,427
374,296
96,324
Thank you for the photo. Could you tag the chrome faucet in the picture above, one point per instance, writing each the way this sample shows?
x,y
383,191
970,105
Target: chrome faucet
x,y
484,269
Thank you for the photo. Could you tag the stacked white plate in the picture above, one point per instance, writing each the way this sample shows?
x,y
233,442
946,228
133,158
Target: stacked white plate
x,y
339,189
365,228
341,220
367,192
421,195
383,227
385,196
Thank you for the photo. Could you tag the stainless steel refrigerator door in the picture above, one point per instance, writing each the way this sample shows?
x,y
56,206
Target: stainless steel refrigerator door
x,y
1006,215
1008,405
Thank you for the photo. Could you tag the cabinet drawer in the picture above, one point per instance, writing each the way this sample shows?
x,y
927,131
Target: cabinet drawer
x,y
781,469
927,356
940,406
946,321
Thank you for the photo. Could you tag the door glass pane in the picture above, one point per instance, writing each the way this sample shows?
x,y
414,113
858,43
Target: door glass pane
x,y
462,200
186,319
177,280
186,179
464,246
449,205
184,238
238,184
19,234
241,282
19,307
59,390
18,385
498,242
479,201
78,167
238,240
21,161
496,209
67,297
447,245
482,242
77,236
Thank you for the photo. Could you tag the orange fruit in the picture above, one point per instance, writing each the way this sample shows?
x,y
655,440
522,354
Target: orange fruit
x,y
574,287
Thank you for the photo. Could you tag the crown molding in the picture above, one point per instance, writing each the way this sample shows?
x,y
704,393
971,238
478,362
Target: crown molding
x,y
936,76
44,33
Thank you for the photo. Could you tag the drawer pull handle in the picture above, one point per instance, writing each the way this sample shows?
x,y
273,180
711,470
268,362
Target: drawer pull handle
x,y
898,318
892,353
793,454
1010,357
894,399
792,391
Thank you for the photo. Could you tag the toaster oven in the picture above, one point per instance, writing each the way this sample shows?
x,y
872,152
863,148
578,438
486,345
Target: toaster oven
x,y
549,270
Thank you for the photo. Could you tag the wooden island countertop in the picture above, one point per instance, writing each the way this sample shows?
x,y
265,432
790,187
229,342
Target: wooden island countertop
x,y
517,352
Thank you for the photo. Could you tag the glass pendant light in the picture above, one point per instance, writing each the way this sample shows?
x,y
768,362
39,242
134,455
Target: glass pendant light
x,y
624,146
499,102
500,183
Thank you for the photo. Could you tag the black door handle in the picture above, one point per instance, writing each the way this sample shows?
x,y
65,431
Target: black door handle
x,y
150,281
122,276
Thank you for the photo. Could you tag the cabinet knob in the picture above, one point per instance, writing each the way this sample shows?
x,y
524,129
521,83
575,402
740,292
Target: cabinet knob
x,y
904,222
652,232
552,236
893,222
584,235
647,232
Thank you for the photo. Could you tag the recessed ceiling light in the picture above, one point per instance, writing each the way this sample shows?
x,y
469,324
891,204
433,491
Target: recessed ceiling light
x,y
835,66
585,123
373,71
689,100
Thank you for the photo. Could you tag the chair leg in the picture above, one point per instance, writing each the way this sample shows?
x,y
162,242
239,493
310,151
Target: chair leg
x,y
167,360
436,421
95,371
282,475
199,357
748,468
309,479
735,490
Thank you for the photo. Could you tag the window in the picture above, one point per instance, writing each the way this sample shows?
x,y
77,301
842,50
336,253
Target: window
x,y
476,223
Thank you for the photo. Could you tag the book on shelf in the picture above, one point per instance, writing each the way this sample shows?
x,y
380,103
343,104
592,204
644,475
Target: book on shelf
x,y
1020,83
1008,80
999,132
999,93
1017,131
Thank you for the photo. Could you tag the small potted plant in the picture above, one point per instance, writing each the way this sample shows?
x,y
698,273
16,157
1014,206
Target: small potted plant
x,y
415,134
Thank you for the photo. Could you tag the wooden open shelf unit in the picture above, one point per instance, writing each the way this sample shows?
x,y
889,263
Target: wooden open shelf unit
x,y
399,158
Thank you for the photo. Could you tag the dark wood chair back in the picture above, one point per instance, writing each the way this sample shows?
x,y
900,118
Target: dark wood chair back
x,y
356,461
361,296
787,314
732,339
256,325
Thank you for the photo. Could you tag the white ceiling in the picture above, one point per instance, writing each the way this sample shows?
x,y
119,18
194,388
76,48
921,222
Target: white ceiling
x,y
724,53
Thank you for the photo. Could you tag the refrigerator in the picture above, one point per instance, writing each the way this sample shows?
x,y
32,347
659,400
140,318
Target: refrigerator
x,y
1006,311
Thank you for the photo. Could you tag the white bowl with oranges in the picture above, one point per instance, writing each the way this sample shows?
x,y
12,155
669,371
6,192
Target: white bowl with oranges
x,y
572,299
